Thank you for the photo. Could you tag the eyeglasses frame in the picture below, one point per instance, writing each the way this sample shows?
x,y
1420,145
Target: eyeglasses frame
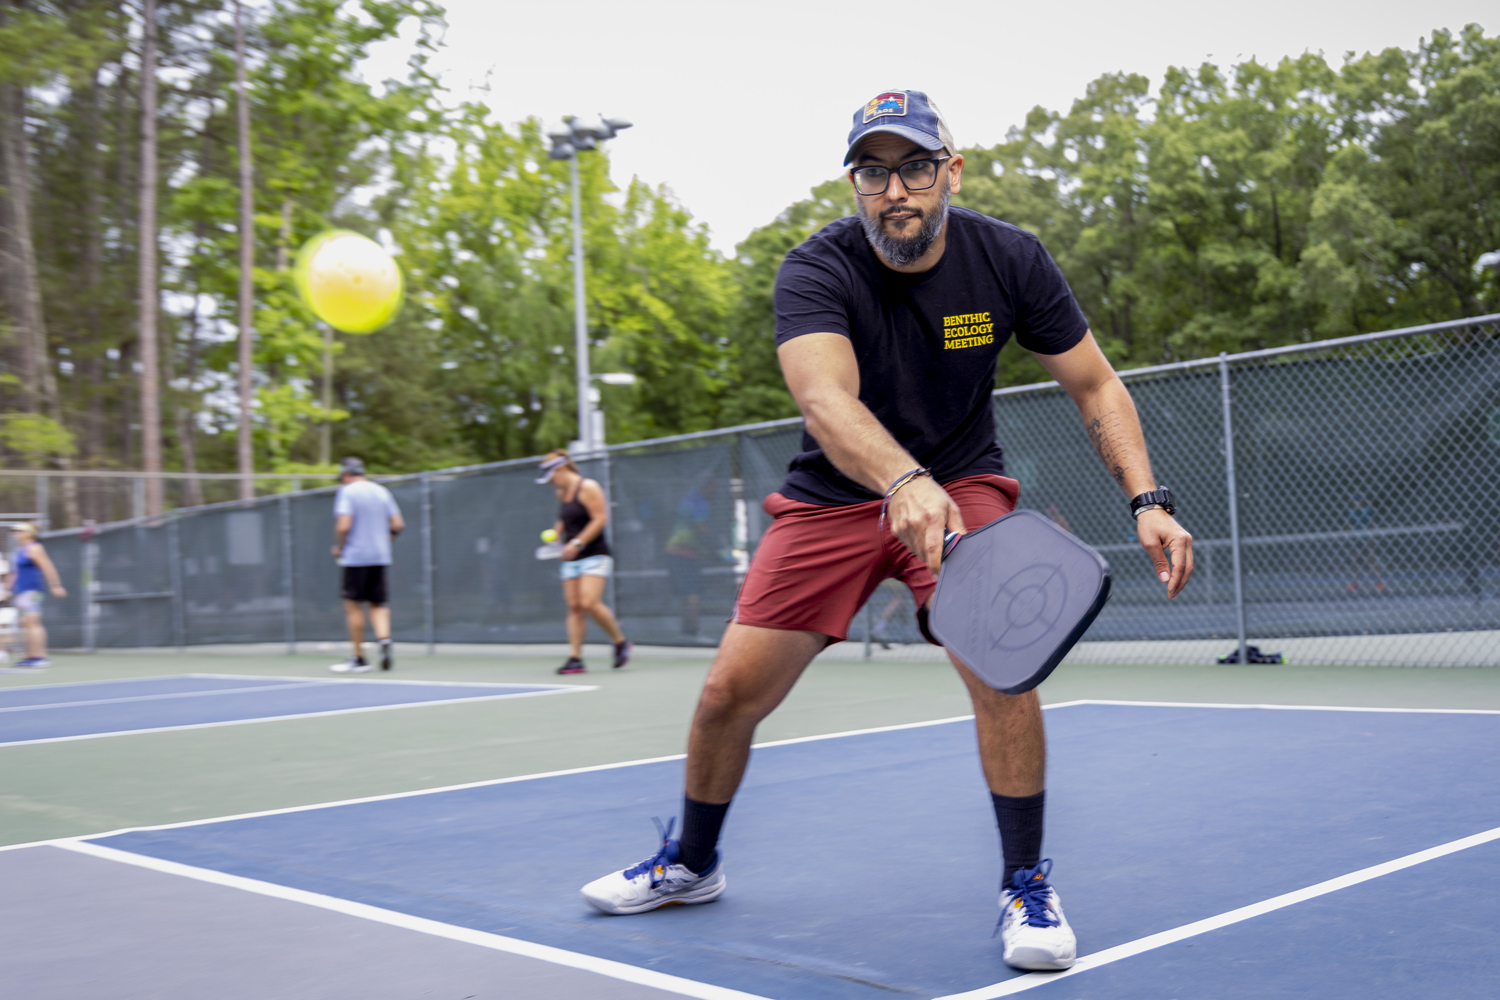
x,y
934,160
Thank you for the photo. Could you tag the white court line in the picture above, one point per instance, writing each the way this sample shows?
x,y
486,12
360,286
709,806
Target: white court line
x,y
1153,941
153,697
389,796
627,972
379,680
497,942
560,689
1284,708
658,760
122,680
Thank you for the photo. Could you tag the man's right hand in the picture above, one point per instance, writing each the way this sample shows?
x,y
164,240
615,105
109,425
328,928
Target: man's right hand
x,y
921,513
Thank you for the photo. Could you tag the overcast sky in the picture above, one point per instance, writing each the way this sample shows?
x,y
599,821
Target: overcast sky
x,y
776,82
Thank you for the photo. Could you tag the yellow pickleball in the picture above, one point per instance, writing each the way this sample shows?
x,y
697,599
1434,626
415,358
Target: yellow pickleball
x,y
349,281
549,535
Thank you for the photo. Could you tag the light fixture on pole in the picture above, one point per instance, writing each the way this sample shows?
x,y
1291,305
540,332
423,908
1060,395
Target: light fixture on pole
x,y
566,145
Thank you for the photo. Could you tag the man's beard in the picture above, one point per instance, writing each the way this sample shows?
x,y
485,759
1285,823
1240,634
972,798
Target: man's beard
x,y
903,251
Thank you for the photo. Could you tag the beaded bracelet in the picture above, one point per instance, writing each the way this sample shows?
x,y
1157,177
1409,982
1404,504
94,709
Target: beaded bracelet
x,y
901,481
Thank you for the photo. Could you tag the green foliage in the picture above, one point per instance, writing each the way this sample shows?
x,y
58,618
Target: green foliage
x,y
37,439
756,389
1230,209
1266,205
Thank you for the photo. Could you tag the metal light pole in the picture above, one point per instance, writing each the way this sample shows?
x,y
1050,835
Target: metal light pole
x,y
567,145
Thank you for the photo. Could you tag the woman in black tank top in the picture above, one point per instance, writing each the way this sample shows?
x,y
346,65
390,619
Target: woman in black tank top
x,y
582,514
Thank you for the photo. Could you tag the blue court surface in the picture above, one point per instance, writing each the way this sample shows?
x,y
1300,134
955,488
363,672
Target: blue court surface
x,y
46,712
865,865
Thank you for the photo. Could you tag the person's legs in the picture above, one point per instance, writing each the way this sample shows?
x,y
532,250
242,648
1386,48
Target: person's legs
x,y
577,623
380,621
590,597
36,635
1013,756
354,620
813,568
752,673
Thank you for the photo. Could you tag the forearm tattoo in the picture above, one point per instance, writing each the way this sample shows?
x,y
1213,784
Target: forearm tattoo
x,y
1107,438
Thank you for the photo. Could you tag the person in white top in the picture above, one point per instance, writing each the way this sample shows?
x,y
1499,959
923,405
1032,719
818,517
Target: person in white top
x,y
366,520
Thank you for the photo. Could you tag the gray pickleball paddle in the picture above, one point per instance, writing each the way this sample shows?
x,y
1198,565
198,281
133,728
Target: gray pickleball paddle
x,y
1014,596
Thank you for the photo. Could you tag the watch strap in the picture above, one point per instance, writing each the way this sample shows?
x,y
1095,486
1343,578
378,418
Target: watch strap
x,y
1161,498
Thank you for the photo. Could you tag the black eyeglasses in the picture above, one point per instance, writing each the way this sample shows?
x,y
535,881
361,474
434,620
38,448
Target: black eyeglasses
x,y
916,175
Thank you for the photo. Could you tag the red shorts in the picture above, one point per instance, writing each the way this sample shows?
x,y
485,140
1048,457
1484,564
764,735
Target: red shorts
x,y
816,566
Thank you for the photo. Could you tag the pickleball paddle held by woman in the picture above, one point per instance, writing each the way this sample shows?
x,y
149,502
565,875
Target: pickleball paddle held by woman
x,y
888,325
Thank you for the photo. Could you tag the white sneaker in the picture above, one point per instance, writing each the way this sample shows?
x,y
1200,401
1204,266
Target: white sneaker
x,y
353,665
1033,929
657,881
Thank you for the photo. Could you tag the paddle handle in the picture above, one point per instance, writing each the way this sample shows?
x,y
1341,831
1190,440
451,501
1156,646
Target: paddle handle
x,y
949,541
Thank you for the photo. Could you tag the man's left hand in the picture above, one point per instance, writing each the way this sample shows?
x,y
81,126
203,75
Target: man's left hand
x,y
336,550
1160,536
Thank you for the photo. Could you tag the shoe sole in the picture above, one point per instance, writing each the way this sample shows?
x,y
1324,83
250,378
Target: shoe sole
x,y
1036,960
684,899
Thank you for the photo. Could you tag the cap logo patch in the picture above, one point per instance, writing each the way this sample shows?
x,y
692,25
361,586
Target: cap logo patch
x,y
885,104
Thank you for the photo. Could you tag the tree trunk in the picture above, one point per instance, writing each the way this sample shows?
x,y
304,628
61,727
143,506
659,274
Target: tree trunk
x,y
187,409
90,365
146,263
128,418
247,259
39,381
23,293
186,412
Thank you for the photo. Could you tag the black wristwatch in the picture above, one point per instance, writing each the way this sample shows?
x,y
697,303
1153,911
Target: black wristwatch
x,y
1157,499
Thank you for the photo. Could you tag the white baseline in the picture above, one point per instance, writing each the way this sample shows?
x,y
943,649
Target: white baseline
x,y
498,942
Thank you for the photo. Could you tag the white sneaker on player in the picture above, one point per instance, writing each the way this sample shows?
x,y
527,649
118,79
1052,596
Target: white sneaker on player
x,y
657,881
353,665
1033,930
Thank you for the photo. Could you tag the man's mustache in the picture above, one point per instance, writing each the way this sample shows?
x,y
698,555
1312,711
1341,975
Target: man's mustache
x,y
916,212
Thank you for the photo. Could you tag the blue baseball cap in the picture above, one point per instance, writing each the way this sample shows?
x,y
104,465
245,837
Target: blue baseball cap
x,y
907,113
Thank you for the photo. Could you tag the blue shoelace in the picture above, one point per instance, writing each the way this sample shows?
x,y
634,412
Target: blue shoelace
x,y
1032,889
661,857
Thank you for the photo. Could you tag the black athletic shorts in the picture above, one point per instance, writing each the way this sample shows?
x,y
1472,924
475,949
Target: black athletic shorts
x,y
365,583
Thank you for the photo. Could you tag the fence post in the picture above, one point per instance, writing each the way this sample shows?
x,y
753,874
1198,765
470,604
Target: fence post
x,y
138,499
288,585
428,624
43,502
613,599
1234,503
174,576
89,559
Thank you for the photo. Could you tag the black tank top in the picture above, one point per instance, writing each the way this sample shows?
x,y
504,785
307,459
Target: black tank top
x,y
575,517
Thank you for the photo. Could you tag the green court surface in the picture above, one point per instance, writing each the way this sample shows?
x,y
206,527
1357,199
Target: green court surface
x,y
86,786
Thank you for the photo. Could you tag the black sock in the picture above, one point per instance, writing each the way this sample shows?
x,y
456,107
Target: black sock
x,y
1020,822
701,823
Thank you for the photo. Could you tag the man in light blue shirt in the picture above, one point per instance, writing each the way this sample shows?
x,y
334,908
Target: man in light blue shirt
x,y
366,519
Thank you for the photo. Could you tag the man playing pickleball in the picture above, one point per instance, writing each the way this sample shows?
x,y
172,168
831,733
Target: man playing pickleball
x,y
888,325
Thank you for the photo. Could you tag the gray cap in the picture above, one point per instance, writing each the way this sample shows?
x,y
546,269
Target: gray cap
x,y
352,466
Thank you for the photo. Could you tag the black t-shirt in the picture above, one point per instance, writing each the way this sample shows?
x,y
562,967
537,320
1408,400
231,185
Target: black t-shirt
x,y
925,343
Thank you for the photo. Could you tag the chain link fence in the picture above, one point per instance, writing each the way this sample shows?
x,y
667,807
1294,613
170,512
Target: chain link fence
x,y
1341,496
